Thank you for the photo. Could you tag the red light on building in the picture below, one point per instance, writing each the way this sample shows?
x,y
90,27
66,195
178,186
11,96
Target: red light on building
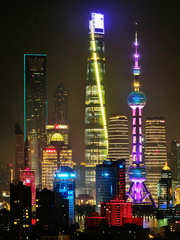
x,y
50,150
28,179
33,221
56,127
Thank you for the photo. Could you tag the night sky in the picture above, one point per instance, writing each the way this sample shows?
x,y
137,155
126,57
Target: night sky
x,y
60,30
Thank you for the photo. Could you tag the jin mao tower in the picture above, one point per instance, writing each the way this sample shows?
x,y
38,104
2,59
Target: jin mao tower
x,y
35,106
137,171
95,115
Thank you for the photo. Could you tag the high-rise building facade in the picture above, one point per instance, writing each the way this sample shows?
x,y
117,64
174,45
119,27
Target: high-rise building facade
x,y
60,105
137,172
118,140
28,179
20,215
35,106
64,183
55,155
174,161
110,181
52,213
155,152
19,151
95,114
165,189
6,177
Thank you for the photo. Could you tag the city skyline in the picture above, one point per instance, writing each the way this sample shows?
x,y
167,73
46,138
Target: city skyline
x,y
61,31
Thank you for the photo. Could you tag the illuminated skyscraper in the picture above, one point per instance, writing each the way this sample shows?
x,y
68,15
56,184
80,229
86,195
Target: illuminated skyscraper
x,y
95,115
64,183
19,151
62,129
165,189
28,179
35,106
60,105
55,155
137,171
155,152
118,140
110,181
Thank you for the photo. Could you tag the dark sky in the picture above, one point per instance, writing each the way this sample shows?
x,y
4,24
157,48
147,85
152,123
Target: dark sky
x,y
60,30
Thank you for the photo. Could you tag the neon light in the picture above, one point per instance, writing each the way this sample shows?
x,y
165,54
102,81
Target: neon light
x,y
98,82
50,150
98,23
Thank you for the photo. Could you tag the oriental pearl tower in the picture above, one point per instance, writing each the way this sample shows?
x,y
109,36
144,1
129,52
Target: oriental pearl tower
x,y
137,172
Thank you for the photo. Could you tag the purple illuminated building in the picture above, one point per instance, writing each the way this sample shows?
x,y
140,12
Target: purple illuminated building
x,y
137,172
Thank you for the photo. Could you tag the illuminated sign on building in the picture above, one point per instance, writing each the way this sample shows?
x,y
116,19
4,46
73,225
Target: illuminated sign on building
x,y
98,23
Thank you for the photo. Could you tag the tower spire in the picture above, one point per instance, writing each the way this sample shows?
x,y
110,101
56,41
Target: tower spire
x,y
136,69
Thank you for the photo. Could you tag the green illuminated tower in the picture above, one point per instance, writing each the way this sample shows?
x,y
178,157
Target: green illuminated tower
x,y
95,115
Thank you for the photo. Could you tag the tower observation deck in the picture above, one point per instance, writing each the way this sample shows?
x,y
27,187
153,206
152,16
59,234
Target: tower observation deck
x,y
137,172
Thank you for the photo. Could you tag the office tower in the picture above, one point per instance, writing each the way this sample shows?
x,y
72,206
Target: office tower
x,y
165,189
28,179
118,138
95,116
19,151
80,175
62,129
35,107
155,152
5,179
115,210
64,183
118,141
137,171
110,181
174,161
55,155
60,105
20,215
4,224
52,212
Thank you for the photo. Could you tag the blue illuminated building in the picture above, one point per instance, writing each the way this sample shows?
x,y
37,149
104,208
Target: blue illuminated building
x,y
110,181
165,189
64,183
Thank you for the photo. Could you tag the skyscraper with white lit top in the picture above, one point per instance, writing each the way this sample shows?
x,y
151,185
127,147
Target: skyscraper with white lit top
x,y
95,114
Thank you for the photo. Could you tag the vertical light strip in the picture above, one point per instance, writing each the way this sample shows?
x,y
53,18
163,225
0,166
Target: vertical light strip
x,y
98,83
24,97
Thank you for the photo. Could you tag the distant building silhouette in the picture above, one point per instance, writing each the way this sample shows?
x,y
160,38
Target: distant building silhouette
x,y
60,105
174,160
20,214
19,151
